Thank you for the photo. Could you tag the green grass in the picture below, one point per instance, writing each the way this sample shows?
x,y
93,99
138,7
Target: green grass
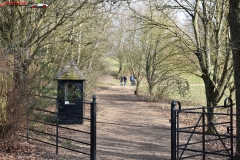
x,y
193,79
197,89
196,96
113,64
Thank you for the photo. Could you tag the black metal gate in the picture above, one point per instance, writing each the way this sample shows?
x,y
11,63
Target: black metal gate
x,y
43,127
190,138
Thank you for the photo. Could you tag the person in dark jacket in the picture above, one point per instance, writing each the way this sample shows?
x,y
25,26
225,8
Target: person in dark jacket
x,y
132,80
121,80
125,80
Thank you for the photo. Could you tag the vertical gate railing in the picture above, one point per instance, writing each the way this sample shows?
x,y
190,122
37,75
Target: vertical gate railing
x,y
198,147
92,130
173,129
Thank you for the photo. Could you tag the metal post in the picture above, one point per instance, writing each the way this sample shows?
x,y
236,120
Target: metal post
x,y
231,125
173,130
57,127
93,129
177,139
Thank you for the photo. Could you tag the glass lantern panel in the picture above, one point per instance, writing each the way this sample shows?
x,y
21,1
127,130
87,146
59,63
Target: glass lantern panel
x,y
70,93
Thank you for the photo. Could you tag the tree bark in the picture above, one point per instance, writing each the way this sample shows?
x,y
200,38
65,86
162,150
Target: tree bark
x,y
136,92
209,92
120,67
234,24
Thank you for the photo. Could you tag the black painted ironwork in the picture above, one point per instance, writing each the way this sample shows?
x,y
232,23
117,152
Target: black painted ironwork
x,y
70,101
193,141
93,129
35,127
70,95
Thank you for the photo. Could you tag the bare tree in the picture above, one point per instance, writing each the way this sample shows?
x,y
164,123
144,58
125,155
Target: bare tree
x,y
206,38
39,41
233,20
159,56
135,57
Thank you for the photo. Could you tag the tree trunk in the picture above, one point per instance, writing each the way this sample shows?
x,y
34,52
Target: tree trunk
x,y
211,118
17,70
236,57
150,90
209,92
136,92
120,67
234,24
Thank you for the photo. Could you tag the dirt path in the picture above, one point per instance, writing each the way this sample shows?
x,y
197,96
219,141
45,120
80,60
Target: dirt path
x,y
128,128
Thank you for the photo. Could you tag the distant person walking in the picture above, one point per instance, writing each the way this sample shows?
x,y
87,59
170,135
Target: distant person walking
x,y
125,80
121,80
132,80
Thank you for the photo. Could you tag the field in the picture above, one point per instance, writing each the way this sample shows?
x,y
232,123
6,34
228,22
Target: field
x,y
196,96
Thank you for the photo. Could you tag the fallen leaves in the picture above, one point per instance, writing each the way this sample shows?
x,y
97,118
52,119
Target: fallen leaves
x,y
25,151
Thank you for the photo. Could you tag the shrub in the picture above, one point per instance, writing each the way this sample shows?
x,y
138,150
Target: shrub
x,y
174,84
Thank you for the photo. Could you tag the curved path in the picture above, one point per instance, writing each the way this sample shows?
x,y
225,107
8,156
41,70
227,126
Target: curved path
x,y
129,129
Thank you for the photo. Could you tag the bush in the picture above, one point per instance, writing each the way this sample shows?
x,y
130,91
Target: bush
x,y
175,84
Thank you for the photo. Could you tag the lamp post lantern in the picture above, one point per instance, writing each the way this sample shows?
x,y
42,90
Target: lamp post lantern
x,y
70,95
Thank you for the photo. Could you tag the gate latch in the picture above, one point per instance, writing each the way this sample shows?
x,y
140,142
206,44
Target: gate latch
x,y
229,130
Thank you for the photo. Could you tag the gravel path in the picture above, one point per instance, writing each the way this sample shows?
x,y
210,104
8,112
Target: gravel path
x,y
128,128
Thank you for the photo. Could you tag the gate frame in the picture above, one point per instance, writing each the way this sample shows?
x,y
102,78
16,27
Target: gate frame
x,y
92,132
175,130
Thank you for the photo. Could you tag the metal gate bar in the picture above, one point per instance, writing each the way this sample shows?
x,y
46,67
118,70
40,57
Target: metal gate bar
x,y
178,150
92,132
